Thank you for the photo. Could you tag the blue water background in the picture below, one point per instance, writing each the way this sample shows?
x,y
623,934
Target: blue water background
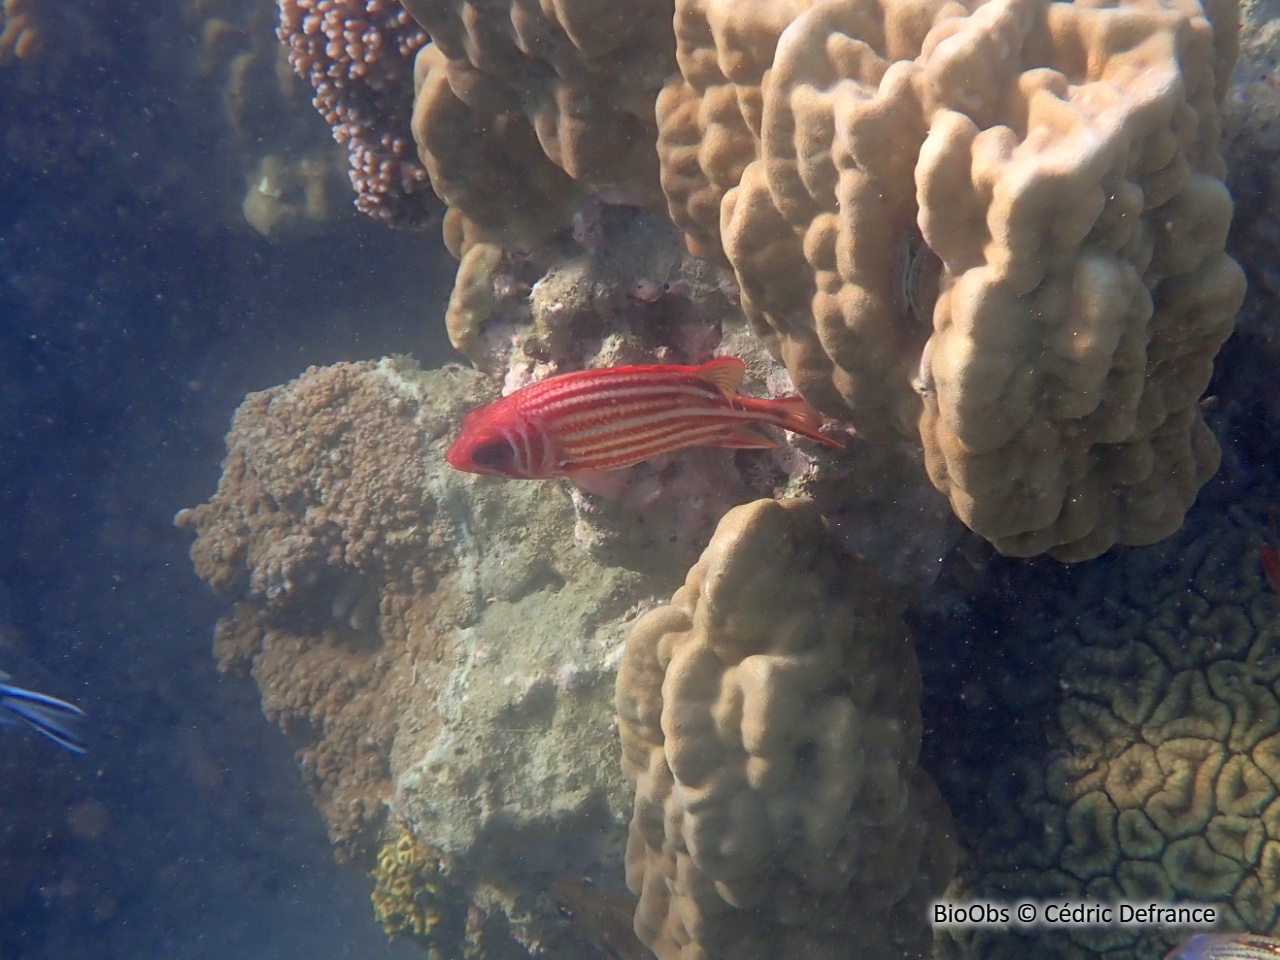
x,y
135,312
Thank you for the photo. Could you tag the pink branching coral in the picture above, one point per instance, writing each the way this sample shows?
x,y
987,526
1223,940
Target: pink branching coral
x,y
358,57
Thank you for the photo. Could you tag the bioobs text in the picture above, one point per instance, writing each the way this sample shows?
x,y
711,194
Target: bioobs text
x,y
1073,913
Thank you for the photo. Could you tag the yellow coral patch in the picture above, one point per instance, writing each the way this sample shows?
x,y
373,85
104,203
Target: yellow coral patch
x,y
406,887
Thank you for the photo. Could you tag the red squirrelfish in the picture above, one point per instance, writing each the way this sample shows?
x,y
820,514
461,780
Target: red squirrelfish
x,y
578,423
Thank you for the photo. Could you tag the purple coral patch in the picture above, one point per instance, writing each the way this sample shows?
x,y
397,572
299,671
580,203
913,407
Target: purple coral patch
x,y
358,57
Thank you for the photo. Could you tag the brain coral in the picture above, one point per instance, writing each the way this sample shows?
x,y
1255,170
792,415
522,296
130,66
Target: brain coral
x,y
770,720
1129,748
997,228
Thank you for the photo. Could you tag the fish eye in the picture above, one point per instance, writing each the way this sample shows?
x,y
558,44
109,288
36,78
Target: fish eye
x,y
491,453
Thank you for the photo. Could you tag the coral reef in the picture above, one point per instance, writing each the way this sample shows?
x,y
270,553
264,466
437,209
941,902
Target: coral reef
x,y
524,111
998,231
1010,267
770,722
358,57
1051,366
436,641
1125,720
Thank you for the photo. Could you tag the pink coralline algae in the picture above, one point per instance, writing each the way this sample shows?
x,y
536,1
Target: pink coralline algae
x,y
358,57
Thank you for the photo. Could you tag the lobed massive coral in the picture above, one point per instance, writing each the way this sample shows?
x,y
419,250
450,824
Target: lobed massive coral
x,y
770,721
1003,232
1127,730
996,228
524,110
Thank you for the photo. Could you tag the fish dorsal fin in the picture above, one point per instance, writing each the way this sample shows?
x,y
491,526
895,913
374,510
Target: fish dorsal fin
x,y
726,373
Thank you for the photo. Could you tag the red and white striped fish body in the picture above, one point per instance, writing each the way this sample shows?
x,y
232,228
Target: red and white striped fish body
x,y
605,419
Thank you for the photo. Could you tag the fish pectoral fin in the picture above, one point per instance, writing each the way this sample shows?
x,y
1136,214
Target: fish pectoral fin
x,y
608,484
725,373
745,438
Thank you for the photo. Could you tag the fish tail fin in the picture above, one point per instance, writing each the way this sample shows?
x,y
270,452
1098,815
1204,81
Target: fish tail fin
x,y
791,413
56,719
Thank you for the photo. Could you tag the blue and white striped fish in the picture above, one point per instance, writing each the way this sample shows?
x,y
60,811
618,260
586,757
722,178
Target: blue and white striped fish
x,y
579,423
56,719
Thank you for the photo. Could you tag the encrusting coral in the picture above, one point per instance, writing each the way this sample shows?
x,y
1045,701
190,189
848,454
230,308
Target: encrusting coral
x,y
1128,742
770,721
321,526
